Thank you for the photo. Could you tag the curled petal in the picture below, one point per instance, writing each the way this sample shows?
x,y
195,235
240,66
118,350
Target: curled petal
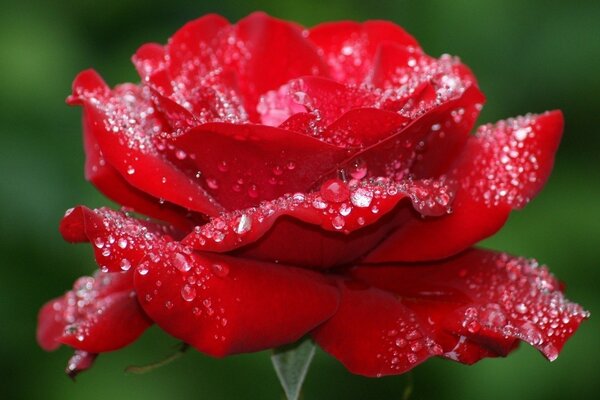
x,y
114,186
475,305
242,165
500,169
125,127
223,305
349,48
325,220
99,314
119,242
484,296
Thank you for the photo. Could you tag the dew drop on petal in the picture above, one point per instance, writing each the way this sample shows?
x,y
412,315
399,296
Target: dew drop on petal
x,y
188,292
334,190
361,197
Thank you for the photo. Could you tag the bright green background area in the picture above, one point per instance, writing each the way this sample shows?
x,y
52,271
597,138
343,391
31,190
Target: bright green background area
x,y
528,56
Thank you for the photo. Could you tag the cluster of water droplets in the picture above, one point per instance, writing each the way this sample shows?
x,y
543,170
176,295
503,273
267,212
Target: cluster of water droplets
x,y
406,344
337,205
124,241
520,299
129,113
202,81
177,278
82,306
506,167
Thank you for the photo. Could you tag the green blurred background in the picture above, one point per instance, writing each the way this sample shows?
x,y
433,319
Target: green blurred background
x,y
529,56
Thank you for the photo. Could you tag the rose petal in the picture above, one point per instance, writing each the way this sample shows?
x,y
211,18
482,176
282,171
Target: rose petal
x,y
219,71
325,221
263,36
349,48
245,164
119,242
374,334
500,169
108,181
99,314
397,155
223,305
123,124
485,296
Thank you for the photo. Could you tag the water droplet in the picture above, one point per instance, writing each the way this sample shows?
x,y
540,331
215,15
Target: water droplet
x,y
361,197
223,167
521,308
334,190
243,224
253,191
122,243
130,170
142,269
181,262
188,293
212,183
125,264
168,304
338,222
359,169
220,270
318,203
180,154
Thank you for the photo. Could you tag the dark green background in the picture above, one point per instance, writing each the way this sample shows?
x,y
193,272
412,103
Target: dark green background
x,y
529,56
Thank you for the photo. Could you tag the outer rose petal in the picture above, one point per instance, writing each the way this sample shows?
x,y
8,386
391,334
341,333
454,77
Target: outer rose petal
x,y
119,242
335,227
349,48
100,314
223,305
500,169
124,126
114,186
474,305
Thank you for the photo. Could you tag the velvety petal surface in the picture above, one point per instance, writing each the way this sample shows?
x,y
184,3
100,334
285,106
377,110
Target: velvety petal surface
x,y
474,305
225,305
349,48
242,165
501,168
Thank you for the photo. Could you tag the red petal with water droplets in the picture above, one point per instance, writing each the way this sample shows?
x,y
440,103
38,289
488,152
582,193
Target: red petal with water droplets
x,y
500,169
374,334
245,164
489,298
332,231
99,314
264,36
119,242
224,305
108,181
349,48
404,150
124,125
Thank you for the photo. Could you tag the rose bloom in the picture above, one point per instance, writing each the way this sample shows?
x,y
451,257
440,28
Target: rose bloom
x,y
317,182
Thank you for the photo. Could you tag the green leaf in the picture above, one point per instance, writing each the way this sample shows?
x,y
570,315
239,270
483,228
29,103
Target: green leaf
x,y
291,365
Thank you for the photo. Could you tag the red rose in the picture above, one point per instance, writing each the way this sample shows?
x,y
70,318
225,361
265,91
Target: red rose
x,y
310,181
